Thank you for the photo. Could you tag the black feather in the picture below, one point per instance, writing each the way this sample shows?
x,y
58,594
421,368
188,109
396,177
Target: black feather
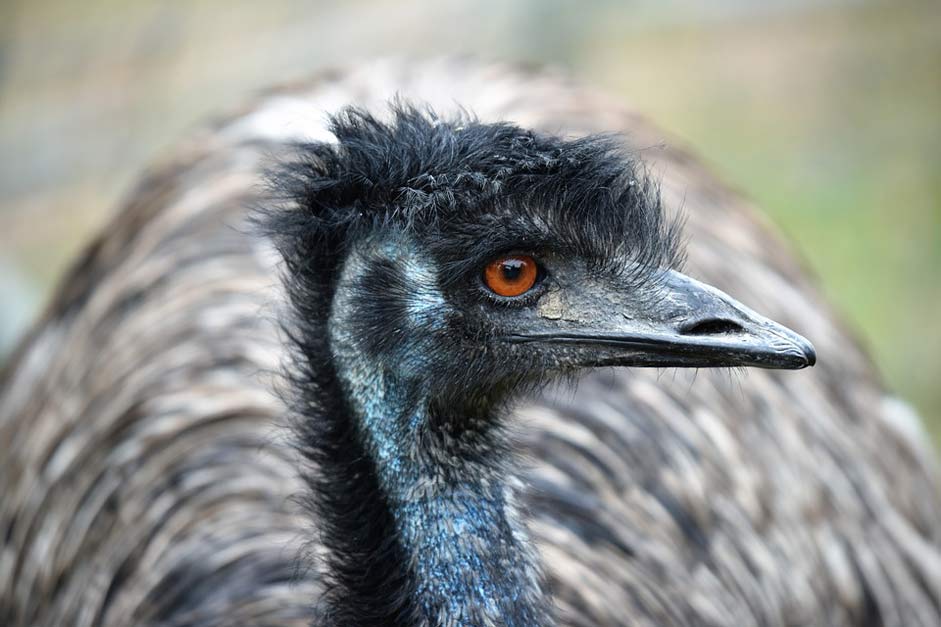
x,y
467,190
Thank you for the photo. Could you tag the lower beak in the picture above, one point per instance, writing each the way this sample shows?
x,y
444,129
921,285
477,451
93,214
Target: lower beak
x,y
687,324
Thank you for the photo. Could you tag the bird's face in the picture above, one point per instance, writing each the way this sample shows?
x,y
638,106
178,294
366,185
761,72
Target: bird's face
x,y
519,304
472,256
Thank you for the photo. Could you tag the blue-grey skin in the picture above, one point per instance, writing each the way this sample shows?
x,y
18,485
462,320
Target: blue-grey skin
x,y
453,515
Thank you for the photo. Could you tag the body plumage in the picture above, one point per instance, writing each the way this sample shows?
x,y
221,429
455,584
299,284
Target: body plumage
x,y
152,469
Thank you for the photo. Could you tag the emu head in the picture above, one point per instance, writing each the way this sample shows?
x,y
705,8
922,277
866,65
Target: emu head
x,y
473,259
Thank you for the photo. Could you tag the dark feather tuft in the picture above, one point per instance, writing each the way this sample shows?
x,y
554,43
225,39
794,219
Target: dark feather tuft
x,y
466,190
478,185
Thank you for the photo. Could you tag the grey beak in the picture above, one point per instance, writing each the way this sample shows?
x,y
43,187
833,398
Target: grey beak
x,y
684,323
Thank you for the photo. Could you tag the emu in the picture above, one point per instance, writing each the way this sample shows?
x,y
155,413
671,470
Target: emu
x,y
418,279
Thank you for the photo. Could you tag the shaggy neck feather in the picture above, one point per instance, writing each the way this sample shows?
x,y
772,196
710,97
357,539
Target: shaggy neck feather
x,y
454,511
449,484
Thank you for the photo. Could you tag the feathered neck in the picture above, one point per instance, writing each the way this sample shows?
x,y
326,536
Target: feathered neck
x,y
466,555
428,492
414,498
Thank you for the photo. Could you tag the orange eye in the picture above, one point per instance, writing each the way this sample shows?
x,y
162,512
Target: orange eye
x,y
512,275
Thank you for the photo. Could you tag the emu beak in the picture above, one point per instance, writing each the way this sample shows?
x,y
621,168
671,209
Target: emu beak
x,y
685,323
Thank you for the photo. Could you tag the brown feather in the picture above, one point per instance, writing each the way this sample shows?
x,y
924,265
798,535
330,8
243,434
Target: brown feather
x,y
148,478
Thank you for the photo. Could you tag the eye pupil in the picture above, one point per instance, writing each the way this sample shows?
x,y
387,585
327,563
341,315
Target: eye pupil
x,y
512,269
512,275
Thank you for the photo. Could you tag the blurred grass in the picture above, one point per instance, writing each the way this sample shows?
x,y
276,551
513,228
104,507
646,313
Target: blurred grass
x,y
828,114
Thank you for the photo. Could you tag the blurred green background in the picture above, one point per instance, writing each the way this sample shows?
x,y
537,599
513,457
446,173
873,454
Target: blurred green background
x,y
827,113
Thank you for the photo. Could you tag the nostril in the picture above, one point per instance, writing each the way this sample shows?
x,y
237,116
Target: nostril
x,y
712,326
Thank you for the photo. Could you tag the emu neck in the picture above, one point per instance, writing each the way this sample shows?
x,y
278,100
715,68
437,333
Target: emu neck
x,y
445,481
468,558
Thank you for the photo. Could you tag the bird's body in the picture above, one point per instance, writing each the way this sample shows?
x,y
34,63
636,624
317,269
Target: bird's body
x,y
152,477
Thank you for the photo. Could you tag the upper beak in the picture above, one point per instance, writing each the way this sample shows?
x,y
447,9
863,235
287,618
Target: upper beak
x,y
685,323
